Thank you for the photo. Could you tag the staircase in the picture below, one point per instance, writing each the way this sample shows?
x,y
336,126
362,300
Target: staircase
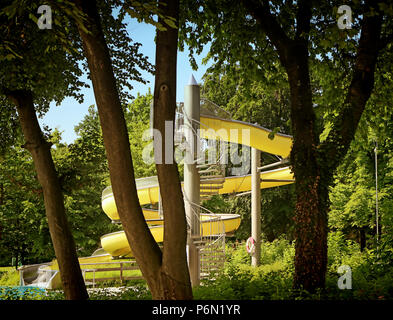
x,y
212,175
211,246
212,178
212,257
212,251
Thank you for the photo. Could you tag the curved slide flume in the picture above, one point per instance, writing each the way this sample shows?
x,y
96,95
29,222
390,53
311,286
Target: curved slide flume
x,y
116,243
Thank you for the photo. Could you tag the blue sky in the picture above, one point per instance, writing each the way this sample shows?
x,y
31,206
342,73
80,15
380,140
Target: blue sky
x,y
70,112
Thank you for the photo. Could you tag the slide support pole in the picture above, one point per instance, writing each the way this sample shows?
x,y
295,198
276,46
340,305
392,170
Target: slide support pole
x,y
256,206
191,176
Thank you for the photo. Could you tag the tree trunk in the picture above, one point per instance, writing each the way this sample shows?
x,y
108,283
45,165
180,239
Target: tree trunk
x,y
146,251
314,163
174,261
63,242
311,206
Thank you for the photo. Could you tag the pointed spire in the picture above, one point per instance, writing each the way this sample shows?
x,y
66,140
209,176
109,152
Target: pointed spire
x,y
192,81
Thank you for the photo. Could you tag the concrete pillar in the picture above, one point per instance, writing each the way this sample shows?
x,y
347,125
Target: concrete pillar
x,y
191,175
256,205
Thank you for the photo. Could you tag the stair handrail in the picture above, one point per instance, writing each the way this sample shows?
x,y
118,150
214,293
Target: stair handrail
x,y
217,107
195,133
194,205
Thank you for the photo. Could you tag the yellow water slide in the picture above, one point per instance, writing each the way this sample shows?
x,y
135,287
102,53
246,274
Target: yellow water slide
x,y
149,193
248,134
232,131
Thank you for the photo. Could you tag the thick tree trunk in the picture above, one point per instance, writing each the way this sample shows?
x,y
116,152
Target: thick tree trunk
x,y
174,264
63,242
163,281
314,163
311,205
117,146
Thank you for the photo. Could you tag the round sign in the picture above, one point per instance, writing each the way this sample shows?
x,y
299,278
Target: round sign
x,y
250,245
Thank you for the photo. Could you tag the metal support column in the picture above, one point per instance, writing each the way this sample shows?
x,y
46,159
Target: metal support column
x,y
191,175
256,205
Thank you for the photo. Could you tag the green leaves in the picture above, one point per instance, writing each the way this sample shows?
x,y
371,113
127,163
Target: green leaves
x,y
273,133
353,194
8,51
24,229
171,22
149,12
263,102
137,117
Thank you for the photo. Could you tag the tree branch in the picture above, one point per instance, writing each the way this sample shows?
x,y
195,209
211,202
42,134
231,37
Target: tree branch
x,y
359,91
303,17
269,24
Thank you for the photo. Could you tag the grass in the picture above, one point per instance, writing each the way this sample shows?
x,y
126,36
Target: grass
x,y
110,273
9,276
108,290
4,269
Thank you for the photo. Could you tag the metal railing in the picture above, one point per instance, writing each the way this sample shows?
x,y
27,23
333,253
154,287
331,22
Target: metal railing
x,y
100,267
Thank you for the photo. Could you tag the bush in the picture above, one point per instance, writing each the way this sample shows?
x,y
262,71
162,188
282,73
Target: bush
x,y
9,277
280,250
371,270
21,293
272,280
246,282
